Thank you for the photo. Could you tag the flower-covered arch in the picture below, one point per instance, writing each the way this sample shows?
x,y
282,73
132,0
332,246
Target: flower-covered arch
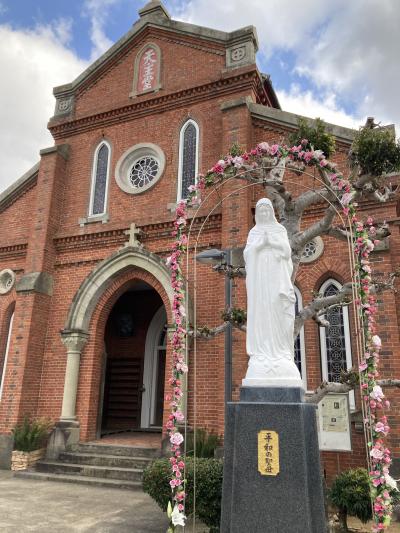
x,y
362,241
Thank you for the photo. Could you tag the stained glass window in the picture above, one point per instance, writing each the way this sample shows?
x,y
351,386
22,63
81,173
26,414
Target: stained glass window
x,y
335,338
297,342
100,180
188,157
3,360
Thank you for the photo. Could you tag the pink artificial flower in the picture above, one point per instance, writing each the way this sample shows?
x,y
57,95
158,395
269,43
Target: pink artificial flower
x,y
179,416
274,149
263,147
176,438
376,453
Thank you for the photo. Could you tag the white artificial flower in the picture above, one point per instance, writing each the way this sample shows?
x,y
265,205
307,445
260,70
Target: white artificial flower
x,y
390,482
376,341
178,518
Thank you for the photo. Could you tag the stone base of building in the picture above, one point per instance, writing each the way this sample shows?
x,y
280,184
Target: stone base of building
x,y
290,500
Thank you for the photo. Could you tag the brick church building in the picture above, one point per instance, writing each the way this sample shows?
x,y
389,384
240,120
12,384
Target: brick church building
x,y
85,296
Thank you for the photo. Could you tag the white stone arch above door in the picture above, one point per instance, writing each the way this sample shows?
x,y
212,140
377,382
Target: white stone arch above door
x,y
104,274
76,330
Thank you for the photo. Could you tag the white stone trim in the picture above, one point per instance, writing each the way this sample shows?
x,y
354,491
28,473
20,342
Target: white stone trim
x,y
180,163
302,340
102,276
7,280
347,340
150,369
93,182
3,374
131,155
139,55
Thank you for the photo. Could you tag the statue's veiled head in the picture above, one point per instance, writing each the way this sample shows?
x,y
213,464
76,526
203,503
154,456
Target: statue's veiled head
x,y
265,215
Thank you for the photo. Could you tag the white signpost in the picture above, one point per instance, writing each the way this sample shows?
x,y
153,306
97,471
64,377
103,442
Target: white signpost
x,y
333,420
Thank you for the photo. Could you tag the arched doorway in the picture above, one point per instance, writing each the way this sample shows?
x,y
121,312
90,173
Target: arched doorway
x,y
134,339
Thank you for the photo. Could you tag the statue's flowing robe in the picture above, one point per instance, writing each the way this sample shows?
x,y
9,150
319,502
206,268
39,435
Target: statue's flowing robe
x,y
270,295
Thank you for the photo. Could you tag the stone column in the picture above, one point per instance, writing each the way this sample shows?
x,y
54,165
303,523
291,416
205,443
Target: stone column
x,y
65,435
74,341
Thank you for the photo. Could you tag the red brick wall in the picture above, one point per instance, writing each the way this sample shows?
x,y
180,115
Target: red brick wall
x,y
42,233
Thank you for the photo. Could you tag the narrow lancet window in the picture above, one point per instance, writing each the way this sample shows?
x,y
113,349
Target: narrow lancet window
x,y
188,158
101,165
3,360
299,349
335,338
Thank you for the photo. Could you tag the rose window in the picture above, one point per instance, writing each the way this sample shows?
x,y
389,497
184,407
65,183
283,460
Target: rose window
x,y
312,250
143,172
7,281
140,168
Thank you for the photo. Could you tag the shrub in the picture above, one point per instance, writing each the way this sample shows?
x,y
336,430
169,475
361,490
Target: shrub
x,y
31,435
350,493
206,443
316,134
375,151
208,487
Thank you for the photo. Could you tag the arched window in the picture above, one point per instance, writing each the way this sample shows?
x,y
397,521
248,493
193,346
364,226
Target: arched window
x,y
299,346
188,157
3,360
101,166
335,338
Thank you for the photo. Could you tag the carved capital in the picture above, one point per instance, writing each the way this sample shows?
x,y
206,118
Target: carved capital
x,y
74,340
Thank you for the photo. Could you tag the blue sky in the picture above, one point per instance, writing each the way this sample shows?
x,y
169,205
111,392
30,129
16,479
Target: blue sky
x,y
334,59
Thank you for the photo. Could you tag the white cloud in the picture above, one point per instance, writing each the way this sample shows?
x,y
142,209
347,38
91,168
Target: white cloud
x,y
280,23
347,49
98,11
358,54
308,104
32,63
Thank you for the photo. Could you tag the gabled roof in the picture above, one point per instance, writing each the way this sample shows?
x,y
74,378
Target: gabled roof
x,y
155,15
15,190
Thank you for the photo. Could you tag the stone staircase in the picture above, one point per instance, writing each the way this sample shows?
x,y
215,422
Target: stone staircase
x,y
103,465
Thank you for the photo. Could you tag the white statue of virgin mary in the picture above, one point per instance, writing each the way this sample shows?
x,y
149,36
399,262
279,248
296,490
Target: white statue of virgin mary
x,y
270,303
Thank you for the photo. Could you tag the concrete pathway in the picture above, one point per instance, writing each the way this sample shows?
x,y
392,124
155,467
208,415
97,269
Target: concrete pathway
x,y
51,507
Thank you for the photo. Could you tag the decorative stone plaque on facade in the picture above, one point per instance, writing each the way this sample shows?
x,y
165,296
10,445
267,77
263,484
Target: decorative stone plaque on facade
x,y
240,54
64,105
268,453
147,70
7,280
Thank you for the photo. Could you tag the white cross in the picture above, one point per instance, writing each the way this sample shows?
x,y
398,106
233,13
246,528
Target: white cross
x,y
133,233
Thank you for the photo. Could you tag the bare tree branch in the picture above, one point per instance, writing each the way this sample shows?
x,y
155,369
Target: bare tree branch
x,y
338,388
320,227
320,306
341,233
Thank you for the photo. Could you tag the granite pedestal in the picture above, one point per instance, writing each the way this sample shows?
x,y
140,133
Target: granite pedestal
x,y
291,501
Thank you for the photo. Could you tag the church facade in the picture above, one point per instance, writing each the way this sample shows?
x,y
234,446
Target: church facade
x,y
85,295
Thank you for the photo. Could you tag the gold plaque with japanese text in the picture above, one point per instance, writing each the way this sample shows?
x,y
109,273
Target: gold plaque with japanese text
x,y
268,453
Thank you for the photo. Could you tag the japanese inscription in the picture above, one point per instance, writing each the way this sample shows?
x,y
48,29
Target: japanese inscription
x,y
268,453
148,70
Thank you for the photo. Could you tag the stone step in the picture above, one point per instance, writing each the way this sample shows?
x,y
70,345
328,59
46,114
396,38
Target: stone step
x,y
105,472
122,450
104,460
84,480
